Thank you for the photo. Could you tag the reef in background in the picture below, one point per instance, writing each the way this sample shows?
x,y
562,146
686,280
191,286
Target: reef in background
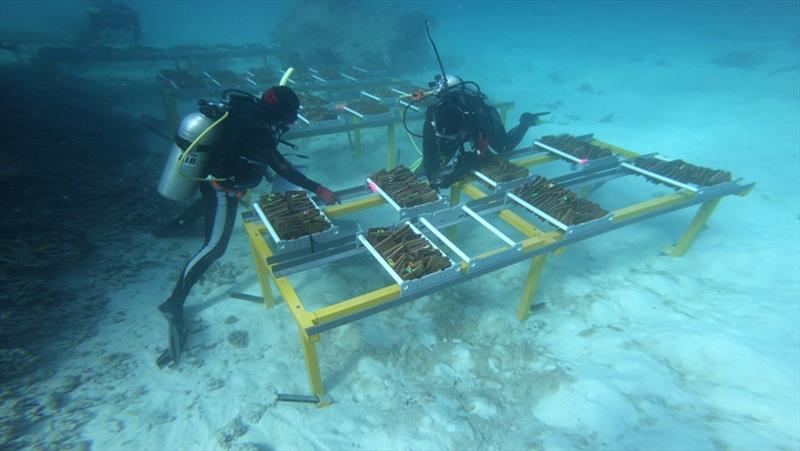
x,y
340,33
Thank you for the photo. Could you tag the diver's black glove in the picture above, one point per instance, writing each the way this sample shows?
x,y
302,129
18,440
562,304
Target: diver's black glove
x,y
530,119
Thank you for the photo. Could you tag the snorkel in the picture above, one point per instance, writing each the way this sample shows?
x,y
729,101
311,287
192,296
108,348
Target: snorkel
x,y
438,58
417,97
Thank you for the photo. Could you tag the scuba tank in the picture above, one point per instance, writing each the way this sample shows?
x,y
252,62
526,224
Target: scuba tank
x,y
182,171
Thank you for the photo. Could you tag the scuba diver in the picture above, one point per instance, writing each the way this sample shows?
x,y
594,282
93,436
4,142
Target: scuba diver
x,y
459,116
225,148
110,22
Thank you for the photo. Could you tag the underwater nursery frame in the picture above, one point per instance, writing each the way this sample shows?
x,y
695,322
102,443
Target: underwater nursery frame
x,y
550,213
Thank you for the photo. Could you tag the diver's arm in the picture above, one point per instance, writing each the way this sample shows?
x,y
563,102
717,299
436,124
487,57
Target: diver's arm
x,y
285,169
501,141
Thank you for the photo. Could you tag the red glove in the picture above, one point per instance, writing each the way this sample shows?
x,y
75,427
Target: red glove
x,y
326,195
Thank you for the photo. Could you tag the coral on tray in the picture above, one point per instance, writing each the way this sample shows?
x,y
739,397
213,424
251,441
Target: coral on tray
x,y
682,171
501,170
578,148
404,187
293,214
558,202
410,255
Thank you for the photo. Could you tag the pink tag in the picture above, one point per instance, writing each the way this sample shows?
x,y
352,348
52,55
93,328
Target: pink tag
x,y
373,186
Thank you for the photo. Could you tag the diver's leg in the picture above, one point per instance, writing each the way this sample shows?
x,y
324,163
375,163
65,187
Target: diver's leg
x,y
514,137
504,142
220,211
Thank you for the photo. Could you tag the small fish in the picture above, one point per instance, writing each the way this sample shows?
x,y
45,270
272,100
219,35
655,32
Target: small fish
x,y
607,118
554,105
792,68
739,60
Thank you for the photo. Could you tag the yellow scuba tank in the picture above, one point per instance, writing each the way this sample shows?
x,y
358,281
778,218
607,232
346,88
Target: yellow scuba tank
x,y
182,171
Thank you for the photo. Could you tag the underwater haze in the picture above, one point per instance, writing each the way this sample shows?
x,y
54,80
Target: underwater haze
x,y
625,347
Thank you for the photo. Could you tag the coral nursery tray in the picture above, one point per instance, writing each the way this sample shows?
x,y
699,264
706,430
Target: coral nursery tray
x,y
409,257
573,149
311,101
294,221
383,95
500,174
410,254
658,170
319,118
407,194
556,204
330,76
367,108
225,78
182,79
261,76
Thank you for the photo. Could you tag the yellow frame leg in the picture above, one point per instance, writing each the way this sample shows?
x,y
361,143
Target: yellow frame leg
x,y
696,226
531,283
260,252
455,199
312,362
390,152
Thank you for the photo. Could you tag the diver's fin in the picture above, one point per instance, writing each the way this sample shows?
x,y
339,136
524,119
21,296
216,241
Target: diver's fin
x,y
164,359
177,339
176,332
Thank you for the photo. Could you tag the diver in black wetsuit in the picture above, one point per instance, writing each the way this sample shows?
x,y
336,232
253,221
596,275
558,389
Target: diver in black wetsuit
x,y
247,145
460,116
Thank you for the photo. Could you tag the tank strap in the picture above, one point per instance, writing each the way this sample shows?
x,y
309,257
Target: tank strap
x,y
232,193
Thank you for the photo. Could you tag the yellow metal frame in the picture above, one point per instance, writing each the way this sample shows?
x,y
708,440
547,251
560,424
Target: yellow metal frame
x,y
535,239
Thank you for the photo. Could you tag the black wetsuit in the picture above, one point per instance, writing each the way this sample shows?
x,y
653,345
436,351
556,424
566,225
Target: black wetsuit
x,y
482,129
245,148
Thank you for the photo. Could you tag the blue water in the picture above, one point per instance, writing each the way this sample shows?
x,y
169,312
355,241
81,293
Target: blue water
x,y
627,348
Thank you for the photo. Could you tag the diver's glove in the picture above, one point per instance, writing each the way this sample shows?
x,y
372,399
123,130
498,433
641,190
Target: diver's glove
x,y
531,119
327,195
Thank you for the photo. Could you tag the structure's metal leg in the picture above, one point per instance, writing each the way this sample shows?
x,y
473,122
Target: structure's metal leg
x,y
312,362
260,253
391,159
531,283
697,224
170,108
356,138
455,199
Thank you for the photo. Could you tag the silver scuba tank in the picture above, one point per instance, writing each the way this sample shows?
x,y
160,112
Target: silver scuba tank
x,y
178,182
